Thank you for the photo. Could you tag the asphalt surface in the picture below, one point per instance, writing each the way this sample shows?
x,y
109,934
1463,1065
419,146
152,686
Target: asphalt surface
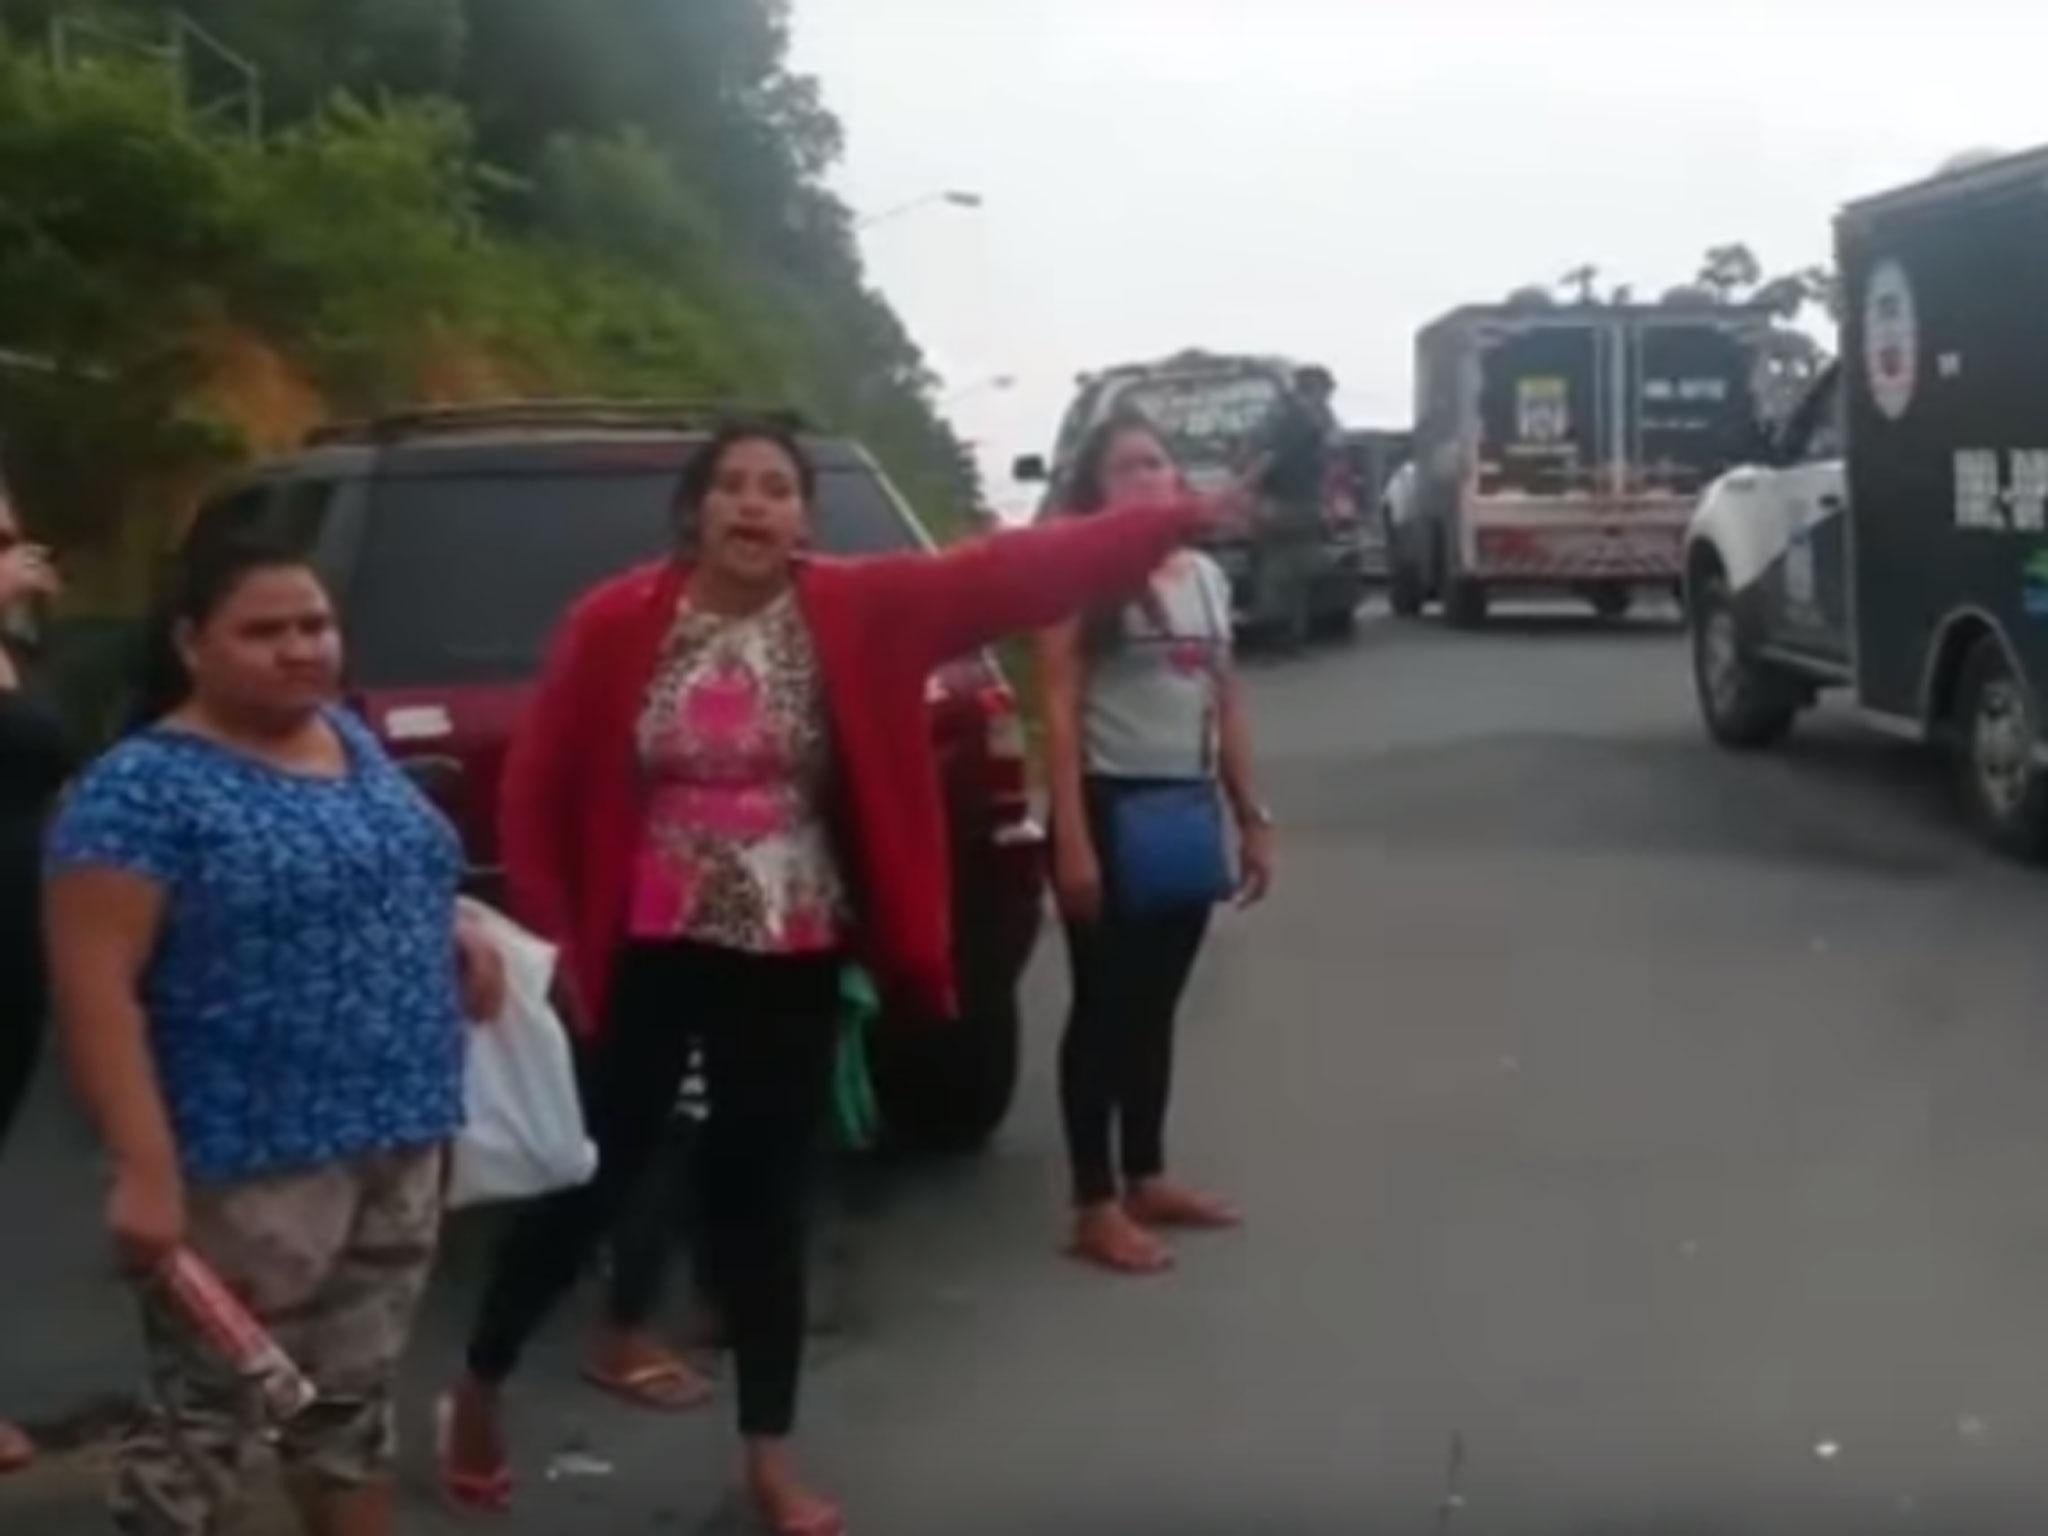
x,y
1636,1138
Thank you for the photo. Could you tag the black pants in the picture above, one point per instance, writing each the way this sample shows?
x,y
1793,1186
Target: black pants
x,y
658,1218
1116,1061
24,996
768,1027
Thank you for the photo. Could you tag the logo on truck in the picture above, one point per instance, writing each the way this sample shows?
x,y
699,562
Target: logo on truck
x,y
1891,340
1543,411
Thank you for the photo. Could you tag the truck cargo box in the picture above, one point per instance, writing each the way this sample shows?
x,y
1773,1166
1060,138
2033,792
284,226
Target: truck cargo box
x,y
1945,353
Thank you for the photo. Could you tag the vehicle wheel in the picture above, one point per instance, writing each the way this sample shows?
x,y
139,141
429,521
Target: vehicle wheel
x,y
1744,702
1464,602
1611,603
1407,592
944,1088
2002,783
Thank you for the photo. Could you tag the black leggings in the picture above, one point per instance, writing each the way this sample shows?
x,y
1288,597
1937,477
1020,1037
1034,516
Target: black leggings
x,y
768,1027
23,998
658,1218
1116,1061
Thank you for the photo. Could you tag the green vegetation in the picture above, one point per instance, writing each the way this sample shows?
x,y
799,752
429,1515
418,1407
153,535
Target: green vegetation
x,y
447,199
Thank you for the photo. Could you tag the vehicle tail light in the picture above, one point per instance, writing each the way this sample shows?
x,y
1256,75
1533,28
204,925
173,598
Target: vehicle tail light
x,y
1509,545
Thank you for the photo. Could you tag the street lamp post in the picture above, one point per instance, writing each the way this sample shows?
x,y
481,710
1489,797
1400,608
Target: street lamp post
x,y
952,199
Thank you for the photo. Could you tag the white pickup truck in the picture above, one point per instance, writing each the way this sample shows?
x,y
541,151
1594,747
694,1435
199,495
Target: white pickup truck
x,y
1767,579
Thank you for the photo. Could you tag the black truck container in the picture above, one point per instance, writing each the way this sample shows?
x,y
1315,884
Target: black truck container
x,y
1563,447
1945,363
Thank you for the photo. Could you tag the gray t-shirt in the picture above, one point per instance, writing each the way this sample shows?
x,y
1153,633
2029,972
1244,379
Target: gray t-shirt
x,y
1150,706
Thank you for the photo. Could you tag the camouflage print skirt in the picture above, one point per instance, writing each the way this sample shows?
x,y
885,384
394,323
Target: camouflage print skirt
x,y
332,1261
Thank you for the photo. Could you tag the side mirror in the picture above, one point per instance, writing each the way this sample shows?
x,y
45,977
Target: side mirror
x,y
1030,469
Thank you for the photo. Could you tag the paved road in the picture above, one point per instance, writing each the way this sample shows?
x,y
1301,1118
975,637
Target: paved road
x,y
1667,1131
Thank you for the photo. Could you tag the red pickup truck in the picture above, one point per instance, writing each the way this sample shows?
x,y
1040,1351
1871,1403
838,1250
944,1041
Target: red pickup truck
x,y
454,539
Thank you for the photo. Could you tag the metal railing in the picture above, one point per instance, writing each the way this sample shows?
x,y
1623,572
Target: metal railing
x,y
75,40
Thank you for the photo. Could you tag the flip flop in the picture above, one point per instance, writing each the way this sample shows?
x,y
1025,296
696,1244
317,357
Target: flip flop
x,y
1121,1264
1188,1209
829,1522
643,1386
472,1493
17,1451
825,1525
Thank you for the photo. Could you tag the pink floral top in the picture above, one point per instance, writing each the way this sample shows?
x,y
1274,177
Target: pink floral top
x,y
734,744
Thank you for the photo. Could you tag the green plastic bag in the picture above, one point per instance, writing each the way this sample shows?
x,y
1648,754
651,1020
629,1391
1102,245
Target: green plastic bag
x,y
858,1114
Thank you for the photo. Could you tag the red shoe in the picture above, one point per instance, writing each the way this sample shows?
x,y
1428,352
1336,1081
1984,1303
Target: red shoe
x,y
488,1492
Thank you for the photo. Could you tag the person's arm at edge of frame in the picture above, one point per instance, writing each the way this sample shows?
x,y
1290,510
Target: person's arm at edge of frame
x,y
977,592
1254,821
102,925
1076,862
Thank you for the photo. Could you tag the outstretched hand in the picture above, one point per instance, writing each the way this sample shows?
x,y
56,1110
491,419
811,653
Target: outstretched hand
x,y
1228,512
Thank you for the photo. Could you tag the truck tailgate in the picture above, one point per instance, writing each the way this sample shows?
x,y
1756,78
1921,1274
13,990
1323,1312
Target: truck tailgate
x,y
1572,539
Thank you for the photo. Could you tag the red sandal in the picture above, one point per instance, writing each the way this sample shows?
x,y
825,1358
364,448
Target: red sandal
x,y
17,1451
476,1493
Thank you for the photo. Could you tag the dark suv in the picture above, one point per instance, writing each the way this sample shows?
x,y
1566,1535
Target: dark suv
x,y
453,540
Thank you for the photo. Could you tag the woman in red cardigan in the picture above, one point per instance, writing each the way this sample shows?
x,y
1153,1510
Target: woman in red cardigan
x,y
721,792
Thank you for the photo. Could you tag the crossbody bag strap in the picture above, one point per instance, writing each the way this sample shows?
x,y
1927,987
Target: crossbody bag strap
x,y
1219,640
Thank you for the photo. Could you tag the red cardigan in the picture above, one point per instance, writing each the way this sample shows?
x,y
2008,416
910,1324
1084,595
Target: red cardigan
x,y
571,809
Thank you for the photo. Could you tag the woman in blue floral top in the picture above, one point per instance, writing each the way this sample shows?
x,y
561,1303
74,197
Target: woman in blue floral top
x,y
262,982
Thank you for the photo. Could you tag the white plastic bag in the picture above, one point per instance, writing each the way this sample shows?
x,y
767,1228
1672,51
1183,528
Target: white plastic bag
x,y
524,1134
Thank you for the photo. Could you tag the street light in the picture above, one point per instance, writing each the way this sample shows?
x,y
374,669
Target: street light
x,y
951,199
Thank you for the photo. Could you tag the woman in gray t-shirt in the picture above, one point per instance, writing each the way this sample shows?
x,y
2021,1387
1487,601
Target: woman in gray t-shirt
x,y
1138,698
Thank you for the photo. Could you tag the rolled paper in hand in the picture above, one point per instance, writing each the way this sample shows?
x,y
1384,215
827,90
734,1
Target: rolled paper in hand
x,y
211,1308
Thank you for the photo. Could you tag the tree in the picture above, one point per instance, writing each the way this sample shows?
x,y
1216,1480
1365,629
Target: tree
x,y
1584,284
1729,271
1788,296
626,196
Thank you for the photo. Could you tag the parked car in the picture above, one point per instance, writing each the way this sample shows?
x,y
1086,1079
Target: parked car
x,y
453,540
1211,407
1891,545
1373,457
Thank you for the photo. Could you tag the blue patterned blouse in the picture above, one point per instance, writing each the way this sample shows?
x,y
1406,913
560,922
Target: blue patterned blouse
x,y
302,998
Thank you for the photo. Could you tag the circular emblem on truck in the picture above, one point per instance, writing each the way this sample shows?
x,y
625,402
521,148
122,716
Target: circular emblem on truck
x,y
1891,340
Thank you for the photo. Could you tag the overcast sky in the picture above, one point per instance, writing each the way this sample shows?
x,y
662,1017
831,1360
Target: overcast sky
x,y
1319,177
